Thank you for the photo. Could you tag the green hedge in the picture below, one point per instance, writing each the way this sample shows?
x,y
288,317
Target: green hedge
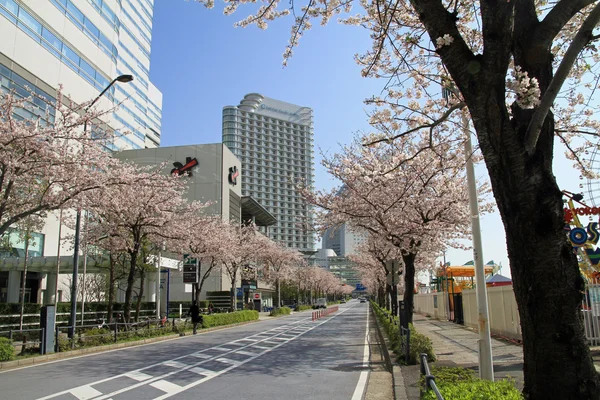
x,y
7,351
419,343
209,321
276,312
303,307
462,384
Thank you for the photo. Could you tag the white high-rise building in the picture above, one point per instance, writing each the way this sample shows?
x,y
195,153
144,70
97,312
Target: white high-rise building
x,y
344,240
82,45
274,141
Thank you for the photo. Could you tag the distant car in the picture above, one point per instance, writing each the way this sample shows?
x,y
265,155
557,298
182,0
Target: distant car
x,y
343,301
321,303
363,300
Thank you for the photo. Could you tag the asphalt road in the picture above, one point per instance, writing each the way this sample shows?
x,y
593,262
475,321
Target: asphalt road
x,y
285,358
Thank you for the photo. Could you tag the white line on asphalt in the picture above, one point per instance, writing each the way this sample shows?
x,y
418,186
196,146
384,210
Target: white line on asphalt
x,y
228,361
203,371
201,355
137,346
166,386
191,385
246,353
138,376
174,364
85,392
149,366
362,379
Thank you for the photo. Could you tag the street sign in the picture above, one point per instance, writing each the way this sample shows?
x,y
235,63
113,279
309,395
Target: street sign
x,y
190,270
256,296
249,284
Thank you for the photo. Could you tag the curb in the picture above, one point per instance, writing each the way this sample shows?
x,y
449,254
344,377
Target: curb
x,y
398,385
7,365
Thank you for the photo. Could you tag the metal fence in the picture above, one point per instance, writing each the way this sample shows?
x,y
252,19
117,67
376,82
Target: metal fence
x,y
26,340
429,378
590,308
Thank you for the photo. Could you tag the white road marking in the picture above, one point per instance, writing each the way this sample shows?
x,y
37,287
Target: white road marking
x,y
173,389
85,392
203,371
246,353
261,347
165,386
175,364
138,376
362,379
229,361
221,348
201,355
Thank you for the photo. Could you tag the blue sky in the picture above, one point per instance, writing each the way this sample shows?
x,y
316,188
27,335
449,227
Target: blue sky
x,y
201,63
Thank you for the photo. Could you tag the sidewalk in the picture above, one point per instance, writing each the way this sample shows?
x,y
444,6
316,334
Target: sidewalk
x,y
456,345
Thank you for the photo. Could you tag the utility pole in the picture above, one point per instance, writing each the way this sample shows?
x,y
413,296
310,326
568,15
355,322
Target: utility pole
x,y
486,366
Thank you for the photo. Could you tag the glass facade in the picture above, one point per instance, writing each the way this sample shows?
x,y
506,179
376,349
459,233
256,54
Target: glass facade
x,y
275,144
110,30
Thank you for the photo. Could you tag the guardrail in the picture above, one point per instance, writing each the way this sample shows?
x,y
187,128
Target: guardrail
x,y
21,339
429,378
112,332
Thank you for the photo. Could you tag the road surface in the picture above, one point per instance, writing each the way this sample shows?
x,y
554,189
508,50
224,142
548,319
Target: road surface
x,y
285,358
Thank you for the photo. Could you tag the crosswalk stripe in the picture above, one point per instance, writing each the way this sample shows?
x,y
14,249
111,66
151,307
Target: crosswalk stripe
x,y
85,392
138,376
165,386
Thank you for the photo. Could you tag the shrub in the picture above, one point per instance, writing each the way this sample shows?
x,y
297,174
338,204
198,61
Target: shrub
x,y
476,390
280,311
7,351
419,343
229,318
303,307
96,337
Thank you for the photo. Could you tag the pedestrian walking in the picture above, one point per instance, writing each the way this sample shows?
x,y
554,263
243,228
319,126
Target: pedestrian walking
x,y
210,308
195,314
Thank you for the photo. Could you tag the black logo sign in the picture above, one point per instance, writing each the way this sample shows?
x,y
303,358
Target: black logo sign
x,y
186,169
233,174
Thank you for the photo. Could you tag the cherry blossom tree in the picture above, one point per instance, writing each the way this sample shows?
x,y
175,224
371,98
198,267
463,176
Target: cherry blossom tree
x,y
243,246
210,244
414,198
48,162
278,262
150,211
527,72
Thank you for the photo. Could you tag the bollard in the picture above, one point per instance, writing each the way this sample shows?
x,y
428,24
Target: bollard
x,y
10,334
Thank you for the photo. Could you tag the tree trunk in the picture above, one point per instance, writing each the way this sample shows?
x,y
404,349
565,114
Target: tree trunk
x,y
546,278
140,295
111,288
409,285
233,294
24,281
277,283
130,281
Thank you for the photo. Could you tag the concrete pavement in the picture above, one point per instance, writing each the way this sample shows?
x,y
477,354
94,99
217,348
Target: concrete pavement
x,y
456,345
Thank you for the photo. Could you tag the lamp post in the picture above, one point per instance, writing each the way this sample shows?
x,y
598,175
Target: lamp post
x,y
486,363
73,319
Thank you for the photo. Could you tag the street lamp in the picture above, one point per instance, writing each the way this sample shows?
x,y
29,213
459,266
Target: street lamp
x,y
73,319
486,363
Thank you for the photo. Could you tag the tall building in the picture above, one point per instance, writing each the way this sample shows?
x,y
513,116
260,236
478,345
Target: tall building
x,y
274,141
82,45
343,239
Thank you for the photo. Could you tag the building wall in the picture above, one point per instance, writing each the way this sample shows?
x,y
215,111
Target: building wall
x,y
502,309
208,183
274,140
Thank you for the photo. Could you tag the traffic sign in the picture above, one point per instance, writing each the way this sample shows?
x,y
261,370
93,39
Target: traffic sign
x,y
190,270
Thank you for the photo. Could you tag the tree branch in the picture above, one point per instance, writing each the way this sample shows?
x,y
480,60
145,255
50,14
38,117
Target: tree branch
x,y
581,39
557,18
